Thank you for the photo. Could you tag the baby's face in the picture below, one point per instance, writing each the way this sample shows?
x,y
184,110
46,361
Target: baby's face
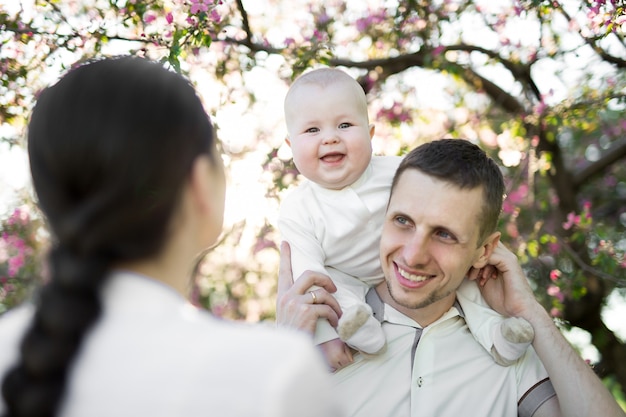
x,y
329,133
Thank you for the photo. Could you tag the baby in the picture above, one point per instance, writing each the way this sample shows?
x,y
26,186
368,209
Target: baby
x,y
333,221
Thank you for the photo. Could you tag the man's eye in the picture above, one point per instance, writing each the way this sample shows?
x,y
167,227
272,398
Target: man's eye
x,y
444,234
401,220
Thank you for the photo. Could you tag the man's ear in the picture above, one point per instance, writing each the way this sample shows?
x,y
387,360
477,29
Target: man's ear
x,y
486,249
372,130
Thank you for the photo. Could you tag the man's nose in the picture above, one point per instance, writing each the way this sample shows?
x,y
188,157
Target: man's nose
x,y
416,250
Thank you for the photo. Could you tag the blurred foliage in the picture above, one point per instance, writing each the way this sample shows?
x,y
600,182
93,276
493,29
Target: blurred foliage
x,y
540,85
22,245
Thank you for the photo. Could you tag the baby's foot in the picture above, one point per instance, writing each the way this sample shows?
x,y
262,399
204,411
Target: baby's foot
x,y
352,320
517,330
511,339
360,330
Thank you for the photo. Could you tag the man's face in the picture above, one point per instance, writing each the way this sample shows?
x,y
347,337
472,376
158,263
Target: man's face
x,y
429,241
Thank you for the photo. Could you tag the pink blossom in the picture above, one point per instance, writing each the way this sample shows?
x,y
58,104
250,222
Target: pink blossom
x,y
15,263
20,216
397,113
555,274
438,50
555,292
318,36
215,16
518,195
572,220
199,6
169,18
323,18
371,19
507,207
540,107
554,247
149,17
555,312
361,25
512,230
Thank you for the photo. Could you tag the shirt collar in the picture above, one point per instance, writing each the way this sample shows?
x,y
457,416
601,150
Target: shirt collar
x,y
392,315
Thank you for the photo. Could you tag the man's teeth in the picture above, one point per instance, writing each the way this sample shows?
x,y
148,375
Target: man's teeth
x,y
412,277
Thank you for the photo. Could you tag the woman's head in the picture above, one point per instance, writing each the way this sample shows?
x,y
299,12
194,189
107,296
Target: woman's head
x,y
110,146
113,146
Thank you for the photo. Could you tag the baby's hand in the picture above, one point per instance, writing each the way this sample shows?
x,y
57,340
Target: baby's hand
x,y
482,275
337,354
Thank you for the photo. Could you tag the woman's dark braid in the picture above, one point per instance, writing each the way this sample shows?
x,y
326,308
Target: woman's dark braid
x,y
66,307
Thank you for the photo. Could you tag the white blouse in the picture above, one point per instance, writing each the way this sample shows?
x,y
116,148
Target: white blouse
x,y
153,354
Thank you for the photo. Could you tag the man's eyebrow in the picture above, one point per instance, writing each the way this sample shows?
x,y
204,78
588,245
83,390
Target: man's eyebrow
x,y
397,212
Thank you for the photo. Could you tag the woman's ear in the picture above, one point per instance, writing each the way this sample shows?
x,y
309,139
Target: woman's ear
x,y
200,184
486,249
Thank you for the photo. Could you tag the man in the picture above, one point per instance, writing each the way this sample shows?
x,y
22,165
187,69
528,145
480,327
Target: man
x,y
440,225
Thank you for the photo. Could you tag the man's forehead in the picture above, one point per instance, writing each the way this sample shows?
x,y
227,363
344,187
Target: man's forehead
x,y
424,197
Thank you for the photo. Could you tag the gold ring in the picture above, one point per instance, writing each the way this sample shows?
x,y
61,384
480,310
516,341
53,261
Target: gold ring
x,y
314,296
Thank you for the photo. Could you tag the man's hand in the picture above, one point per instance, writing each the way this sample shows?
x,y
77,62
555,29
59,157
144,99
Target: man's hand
x,y
509,293
299,305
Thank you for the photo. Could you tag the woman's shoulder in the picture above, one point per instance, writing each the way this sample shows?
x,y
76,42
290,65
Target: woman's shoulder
x,y
13,324
260,333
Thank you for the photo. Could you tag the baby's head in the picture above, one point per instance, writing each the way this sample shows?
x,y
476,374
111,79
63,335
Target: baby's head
x,y
328,127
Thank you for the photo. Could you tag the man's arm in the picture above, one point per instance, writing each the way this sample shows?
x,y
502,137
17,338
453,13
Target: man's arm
x,y
579,391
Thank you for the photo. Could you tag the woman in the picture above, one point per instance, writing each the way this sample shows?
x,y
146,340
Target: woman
x,y
125,168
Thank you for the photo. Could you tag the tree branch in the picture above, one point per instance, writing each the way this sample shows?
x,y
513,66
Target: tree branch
x,y
590,269
618,62
244,21
520,72
616,152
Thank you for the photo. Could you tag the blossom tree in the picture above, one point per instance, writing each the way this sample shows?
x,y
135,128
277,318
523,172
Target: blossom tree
x,y
539,84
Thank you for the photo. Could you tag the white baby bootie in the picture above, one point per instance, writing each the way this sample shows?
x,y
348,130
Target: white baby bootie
x,y
511,338
360,330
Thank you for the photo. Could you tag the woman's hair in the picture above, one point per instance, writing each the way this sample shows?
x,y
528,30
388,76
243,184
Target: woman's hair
x,y
110,146
464,165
